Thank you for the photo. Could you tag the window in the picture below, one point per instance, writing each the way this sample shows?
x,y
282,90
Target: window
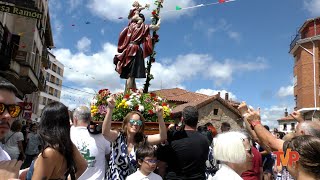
x,y
296,100
44,101
51,91
215,111
284,126
292,126
295,80
56,93
59,71
47,76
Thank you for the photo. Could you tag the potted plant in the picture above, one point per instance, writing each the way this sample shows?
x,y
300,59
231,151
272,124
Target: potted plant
x,y
126,102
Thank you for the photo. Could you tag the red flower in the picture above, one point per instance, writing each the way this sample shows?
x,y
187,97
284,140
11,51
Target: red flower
x,y
150,112
164,104
136,108
126,96
154,12
100,91
153,95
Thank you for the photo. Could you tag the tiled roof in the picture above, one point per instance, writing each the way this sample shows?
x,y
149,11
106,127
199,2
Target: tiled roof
x,y
288,118
180,95
192,99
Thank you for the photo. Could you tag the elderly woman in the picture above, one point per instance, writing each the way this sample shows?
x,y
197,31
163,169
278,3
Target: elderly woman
x,y
233,150
124,143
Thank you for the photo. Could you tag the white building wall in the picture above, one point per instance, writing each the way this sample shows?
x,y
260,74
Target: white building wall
x,y
288,125
53,84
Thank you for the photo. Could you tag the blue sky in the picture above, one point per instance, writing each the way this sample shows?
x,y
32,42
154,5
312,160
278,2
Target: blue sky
x,y
239,47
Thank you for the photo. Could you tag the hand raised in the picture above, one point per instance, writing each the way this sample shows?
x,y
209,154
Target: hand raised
x,y
111,101
158,109
297,116
243,108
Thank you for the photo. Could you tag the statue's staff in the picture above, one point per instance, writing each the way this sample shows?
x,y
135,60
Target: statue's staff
x,y
155,39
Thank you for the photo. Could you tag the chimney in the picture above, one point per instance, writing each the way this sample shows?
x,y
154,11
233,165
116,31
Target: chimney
x,y
226,96
286,113
219,93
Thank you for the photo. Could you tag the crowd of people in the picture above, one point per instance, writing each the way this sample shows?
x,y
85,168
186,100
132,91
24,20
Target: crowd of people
x,y
56,149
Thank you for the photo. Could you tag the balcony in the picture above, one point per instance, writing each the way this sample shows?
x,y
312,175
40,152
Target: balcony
x,y
23,75
294,41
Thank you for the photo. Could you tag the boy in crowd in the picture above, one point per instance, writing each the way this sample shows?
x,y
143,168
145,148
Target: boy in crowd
x,y
147,162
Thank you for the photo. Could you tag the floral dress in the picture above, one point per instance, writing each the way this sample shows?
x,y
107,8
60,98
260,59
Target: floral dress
x,y
121,164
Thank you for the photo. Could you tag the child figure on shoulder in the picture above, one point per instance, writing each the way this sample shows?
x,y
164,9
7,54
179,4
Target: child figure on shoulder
x,y
135,11
147,162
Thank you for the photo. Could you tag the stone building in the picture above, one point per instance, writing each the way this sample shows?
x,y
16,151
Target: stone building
x,y
213,109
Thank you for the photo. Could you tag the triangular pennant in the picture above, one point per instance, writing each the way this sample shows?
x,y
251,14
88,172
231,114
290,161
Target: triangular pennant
x,y
222,1
178,8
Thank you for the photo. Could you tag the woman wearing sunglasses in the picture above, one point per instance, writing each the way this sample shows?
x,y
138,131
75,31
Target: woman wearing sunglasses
x,y
124,143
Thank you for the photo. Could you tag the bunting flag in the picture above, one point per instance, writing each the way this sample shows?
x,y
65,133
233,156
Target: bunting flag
x,y
178,8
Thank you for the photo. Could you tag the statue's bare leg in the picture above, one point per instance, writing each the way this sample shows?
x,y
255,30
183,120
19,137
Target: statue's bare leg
x,y
131,83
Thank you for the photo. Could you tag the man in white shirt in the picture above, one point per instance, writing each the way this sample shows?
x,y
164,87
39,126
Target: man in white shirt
x,y
93,147
8,111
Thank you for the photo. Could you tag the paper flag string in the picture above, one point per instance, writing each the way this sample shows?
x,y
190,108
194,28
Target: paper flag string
x,y
178,8
73,25
120,17
87,22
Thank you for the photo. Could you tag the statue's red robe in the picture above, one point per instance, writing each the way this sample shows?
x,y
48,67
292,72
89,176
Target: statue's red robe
x,y
130,63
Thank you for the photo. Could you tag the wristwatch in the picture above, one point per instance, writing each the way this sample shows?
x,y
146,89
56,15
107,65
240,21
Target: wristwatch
x,y
254,123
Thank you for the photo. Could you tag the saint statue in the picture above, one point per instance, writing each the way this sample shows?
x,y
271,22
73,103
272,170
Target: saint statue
x,y
130,62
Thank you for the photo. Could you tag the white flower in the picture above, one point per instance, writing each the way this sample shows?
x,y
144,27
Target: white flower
x,y
141,108
129,103
159,98
94,101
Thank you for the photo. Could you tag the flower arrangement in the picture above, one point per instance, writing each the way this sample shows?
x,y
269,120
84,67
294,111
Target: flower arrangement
x,y
127,102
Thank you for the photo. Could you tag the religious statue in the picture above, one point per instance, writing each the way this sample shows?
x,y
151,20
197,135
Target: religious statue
x,y
130,62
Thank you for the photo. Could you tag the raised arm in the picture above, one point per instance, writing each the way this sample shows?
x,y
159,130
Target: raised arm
x,y
158,138
110,135
297,116
263,134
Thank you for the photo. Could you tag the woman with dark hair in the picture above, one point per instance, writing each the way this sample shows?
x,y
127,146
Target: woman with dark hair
x,y
308,165
124,143
59,157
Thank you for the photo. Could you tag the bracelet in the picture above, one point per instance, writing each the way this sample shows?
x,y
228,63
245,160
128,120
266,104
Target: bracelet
x,y
254,123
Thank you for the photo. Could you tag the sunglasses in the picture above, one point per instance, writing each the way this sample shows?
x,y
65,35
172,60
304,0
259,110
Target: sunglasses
x,y
13,109
151,161
135,122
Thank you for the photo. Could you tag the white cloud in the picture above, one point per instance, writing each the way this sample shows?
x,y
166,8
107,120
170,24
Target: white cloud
x,y
75,3
97,71
313,7
113,9
285,91
211,92
234,35
83,45
209,28
223,73
269,116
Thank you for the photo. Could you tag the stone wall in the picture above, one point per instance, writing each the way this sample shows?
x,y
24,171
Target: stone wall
x,y
206,114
